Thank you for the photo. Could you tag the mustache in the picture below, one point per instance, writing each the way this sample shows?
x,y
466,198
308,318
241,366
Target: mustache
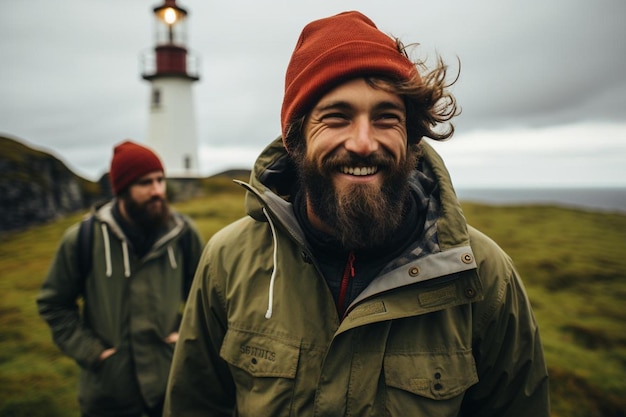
x,y
339,159
152,200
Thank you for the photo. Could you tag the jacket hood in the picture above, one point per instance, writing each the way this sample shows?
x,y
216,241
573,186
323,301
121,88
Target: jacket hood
x,y
273,172
108,224
104,213
273,178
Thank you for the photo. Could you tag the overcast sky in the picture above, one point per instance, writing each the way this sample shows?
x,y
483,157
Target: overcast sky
x,y
542,84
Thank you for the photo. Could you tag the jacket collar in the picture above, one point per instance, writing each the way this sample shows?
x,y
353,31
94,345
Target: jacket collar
x,y
273,178
104,214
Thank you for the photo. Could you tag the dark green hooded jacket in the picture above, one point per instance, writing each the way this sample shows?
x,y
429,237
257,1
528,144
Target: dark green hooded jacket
x,y
445,329
131,304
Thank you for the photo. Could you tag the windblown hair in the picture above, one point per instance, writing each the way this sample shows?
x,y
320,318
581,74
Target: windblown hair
x,y
429,104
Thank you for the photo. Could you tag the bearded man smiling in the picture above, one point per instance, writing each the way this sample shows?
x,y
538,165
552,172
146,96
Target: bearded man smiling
x,y
355,269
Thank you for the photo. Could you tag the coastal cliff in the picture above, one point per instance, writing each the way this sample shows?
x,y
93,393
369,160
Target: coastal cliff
x,y
36,187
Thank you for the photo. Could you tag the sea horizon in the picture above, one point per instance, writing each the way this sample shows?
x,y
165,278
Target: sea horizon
x,y
605,199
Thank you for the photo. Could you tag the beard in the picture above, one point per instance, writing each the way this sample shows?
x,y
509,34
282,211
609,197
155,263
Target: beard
x,y
149,216
362,216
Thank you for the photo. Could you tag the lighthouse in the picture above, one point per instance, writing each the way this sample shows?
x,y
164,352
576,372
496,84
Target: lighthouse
x,y
171,71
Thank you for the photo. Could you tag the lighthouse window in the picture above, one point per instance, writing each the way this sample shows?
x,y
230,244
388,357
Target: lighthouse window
x,y
156,98
187,162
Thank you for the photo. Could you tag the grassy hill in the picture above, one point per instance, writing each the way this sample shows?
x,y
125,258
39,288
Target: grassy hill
x,y
573,263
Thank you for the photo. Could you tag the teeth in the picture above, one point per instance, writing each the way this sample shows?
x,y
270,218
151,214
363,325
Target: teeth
x,y
359,171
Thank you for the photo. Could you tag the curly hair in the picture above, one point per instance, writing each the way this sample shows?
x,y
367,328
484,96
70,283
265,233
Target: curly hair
x,y
429,104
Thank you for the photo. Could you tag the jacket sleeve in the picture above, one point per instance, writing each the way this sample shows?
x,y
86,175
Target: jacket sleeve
x,y
192,258
513,379
200,383
57,302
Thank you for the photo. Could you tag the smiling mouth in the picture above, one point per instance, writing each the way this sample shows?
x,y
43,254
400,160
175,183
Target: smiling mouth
x,y
359,171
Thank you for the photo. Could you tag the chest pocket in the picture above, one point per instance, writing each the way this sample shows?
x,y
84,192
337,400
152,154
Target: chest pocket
x,y
264,370
260,355
437,376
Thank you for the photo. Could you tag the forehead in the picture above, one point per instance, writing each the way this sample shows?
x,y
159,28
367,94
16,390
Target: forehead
x,y
360,93
151,176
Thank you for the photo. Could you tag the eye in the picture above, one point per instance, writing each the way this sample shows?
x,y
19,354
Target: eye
x,y
390,119
335,118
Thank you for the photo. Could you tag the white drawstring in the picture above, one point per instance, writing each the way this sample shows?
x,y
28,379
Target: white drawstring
x,y
268,313
126,259
107,250
107,253
170,252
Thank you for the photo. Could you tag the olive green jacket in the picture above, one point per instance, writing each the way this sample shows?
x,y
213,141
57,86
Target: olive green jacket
x,y
128,303
446,330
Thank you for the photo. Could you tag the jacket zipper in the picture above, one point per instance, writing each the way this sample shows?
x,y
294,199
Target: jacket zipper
x,y
348,273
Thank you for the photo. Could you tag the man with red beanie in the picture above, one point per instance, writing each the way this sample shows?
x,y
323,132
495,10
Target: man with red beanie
x,y
355,287
141,257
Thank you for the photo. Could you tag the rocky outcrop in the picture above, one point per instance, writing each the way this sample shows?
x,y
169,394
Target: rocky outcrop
x,y
36,187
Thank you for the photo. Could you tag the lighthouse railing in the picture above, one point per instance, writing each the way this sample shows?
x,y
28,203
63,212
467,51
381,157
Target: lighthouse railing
x,y
148,65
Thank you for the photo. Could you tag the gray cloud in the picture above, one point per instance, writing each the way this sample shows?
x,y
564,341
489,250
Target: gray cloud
x,y
70,79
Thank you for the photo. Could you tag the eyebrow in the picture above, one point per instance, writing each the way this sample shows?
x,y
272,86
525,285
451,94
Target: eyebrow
x,y
147,180
344,105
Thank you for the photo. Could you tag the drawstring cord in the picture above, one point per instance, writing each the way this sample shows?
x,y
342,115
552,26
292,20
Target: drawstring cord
x,y
107,250
170,252
126,259
270,303
107,253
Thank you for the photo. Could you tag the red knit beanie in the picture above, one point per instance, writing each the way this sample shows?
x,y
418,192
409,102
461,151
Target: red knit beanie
x,y
130,162
333,50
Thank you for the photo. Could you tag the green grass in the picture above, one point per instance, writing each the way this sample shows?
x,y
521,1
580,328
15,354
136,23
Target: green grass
x,y
573,263
36,380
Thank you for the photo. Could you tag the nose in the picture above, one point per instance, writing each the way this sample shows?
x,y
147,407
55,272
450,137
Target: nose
x,y
361,140
157,187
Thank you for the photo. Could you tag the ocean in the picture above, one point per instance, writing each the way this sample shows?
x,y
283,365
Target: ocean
x,y
591,199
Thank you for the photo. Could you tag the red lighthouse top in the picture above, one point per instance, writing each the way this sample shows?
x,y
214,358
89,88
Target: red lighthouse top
x,y
170,57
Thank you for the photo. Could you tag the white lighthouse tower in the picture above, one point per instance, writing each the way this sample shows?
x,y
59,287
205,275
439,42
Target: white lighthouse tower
x,y
171,71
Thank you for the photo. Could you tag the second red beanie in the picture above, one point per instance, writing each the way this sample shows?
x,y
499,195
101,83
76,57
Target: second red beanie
x,y
130,162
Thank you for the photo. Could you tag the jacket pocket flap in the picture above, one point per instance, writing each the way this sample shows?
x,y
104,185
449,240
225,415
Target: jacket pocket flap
x,y
260,355
431,375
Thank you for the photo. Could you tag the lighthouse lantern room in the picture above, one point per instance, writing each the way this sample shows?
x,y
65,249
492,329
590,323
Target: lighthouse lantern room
x,y
171,71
